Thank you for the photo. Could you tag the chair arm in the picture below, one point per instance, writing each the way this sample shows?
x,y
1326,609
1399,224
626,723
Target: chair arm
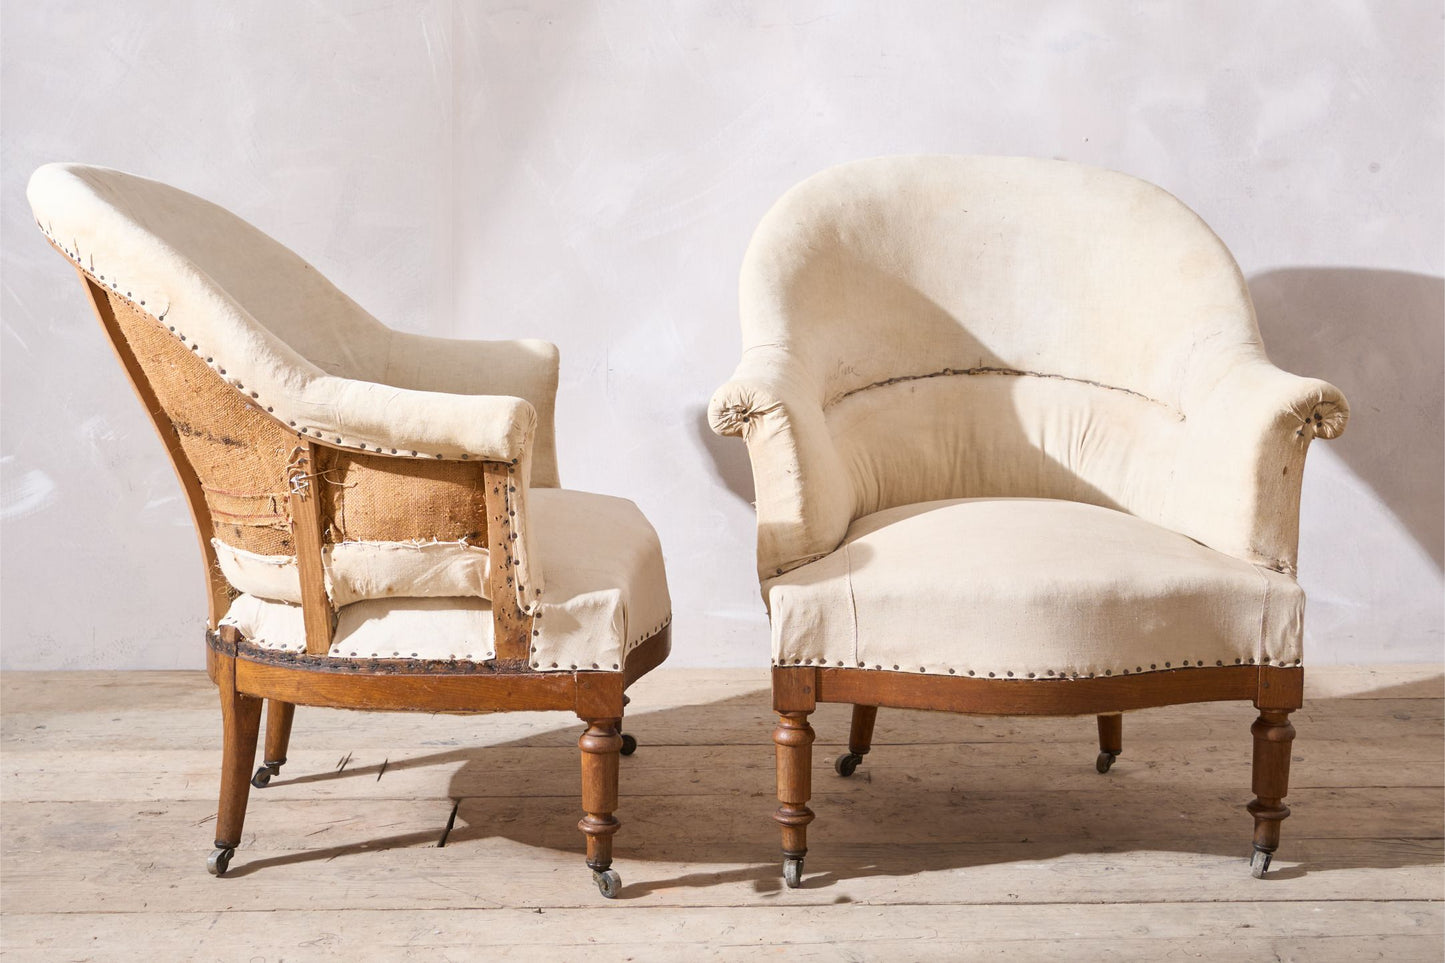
x,y
525,369
1237,479
804,497
391,420
494,429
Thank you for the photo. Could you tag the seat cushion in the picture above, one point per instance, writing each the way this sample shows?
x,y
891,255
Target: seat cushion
x,y
453,629
606,593
1029,588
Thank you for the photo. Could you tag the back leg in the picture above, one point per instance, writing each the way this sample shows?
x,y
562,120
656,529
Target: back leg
x,y
860,740
629,741
278,736
1111,740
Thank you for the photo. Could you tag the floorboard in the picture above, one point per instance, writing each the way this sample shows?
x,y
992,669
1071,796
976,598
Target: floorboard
x,y
959,838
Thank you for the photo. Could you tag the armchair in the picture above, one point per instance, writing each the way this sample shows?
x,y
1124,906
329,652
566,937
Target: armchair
x,y
1017,450
379,513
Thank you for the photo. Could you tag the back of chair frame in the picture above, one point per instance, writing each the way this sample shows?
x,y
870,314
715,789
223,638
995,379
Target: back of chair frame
x,y
254,484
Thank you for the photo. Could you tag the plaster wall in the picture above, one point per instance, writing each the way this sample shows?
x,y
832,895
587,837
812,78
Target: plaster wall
x,y
590,173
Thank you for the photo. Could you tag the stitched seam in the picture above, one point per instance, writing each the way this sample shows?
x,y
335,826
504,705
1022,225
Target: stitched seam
x,y
1259,654
852,598
994,370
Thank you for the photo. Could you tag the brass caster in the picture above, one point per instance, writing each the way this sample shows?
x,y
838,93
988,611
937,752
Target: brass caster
x,y
1105,760
220,860
846,764
609,884
262,779
629,744
1259,863
793,871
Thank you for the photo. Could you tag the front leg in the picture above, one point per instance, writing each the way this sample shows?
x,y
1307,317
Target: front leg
x,y
793,738
240,724
601,747
1273,739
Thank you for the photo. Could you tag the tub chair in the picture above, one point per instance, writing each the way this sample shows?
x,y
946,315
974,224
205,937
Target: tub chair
x,y
1017,450
379,513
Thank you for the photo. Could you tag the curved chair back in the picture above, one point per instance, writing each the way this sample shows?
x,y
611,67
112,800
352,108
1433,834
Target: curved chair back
x,y
234,345
902,267
982,326
952,327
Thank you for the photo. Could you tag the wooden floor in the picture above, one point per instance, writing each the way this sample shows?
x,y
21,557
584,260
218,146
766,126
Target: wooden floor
x,y
958,838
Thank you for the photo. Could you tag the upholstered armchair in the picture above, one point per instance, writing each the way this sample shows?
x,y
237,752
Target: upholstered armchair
x,y
379,513
1017,450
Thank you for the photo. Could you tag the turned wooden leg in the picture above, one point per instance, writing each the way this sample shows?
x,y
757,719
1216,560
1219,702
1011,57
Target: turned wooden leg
x,y
1111,740
793,738
278,736
241,722
860,740
601,747
1273,739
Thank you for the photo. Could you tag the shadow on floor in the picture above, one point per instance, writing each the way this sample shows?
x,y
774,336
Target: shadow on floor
x,y
870,827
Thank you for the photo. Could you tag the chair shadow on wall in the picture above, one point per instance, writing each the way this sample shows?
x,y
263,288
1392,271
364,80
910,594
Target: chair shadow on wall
x,y
729,456
937,770
1379,336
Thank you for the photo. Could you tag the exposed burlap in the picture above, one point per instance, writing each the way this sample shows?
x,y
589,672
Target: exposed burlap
x,y
373,497
240,455
236,450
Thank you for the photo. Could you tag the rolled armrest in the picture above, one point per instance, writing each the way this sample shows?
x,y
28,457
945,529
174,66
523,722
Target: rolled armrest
x,y
804,498
525,369
763,384
1237,480
400,421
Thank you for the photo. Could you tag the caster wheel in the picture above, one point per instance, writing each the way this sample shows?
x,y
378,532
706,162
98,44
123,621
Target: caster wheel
x,y
262,779
1259,863
1105,760
793,871
847,764
220,861
629,744
609,884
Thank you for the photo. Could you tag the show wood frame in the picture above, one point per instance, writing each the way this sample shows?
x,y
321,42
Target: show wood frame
x,y
797,690
249,676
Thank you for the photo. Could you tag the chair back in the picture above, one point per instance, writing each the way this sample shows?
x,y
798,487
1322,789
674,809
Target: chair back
x,y
218,327
982,326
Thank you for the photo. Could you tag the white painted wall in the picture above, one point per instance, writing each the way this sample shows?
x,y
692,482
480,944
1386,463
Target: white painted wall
x,y
590,173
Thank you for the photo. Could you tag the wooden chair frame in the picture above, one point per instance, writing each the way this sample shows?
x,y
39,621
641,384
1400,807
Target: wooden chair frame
x,y
248,675
1274,691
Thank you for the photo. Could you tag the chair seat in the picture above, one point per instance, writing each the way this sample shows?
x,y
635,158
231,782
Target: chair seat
x,y
1020,588
606,592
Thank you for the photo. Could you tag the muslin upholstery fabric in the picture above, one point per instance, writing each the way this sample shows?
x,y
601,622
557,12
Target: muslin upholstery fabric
x,y
305,348
926,329
990,587
607,590
589,567
448,629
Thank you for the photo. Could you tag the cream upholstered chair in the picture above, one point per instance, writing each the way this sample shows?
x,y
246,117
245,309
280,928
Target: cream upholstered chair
x,y
1017,449
379,513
